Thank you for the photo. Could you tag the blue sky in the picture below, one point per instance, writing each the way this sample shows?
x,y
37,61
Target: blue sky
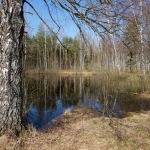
x,y
67,26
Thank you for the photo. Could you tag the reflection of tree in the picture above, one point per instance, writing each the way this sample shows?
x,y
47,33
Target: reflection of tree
x,y
133,103
38,93
93,92
70,101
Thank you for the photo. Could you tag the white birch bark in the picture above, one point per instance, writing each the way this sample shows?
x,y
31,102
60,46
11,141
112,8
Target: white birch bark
x,y
140,28
141,38
114,52
11,44
45,51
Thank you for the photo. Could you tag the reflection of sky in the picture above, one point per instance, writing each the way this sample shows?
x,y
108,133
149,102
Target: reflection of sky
x,y
39,118
82,97
95,102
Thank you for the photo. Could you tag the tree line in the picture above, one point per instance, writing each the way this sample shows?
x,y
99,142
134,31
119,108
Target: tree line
x,y
120,51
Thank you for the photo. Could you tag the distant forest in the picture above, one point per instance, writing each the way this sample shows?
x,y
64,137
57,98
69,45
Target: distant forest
x,y
127,49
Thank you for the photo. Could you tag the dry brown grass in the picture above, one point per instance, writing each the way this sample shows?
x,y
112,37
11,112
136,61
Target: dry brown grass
x,y
145,95
61,72
86,130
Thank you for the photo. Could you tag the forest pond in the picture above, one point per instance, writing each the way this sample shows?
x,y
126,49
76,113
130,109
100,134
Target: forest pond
x,y
48,97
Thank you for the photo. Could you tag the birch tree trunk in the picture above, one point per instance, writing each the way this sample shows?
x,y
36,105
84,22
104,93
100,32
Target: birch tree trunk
x,y
114,49
11,52
141,38
45,51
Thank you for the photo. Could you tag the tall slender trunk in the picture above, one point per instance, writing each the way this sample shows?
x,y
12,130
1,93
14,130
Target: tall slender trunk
x,y
11,52
45,51
60,57
81,53
114,50
140,26
55,57
74,64
141,38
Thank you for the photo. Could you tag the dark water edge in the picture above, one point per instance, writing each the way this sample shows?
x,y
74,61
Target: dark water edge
x,y
48,97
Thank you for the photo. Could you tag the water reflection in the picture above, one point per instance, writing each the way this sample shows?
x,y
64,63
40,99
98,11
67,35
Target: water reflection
x,y
49,97
39,118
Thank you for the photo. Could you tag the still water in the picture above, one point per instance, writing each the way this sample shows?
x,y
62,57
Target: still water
x,y
48,97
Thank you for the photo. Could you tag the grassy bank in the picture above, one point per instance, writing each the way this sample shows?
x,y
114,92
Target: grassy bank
x,y
85,73
61,72
120,82
86,130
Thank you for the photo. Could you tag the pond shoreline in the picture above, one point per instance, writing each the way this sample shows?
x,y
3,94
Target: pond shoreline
x,y
49,96
62,72
111,74
85,129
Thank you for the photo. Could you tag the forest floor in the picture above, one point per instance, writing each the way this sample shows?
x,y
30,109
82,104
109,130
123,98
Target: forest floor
x,y
86,130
